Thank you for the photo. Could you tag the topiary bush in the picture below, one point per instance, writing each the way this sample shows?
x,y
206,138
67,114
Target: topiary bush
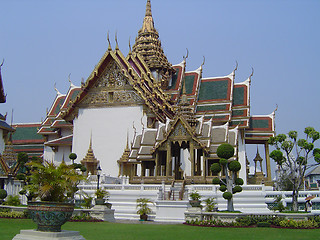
x,y
215,181
215,168
236,189
225,150
223,188
239,181
223,161
234,166
3,194
227,195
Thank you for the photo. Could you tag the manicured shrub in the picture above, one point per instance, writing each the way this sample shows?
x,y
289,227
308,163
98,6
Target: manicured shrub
x,y
234,166
227,195
225,150
239,181
237,189
215,181
215,168
223,188
223,161
3,194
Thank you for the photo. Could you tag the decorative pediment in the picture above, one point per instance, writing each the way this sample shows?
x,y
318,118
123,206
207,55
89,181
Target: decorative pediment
x,y
111,88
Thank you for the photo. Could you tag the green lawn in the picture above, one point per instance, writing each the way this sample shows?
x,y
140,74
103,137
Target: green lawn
x,y
118,231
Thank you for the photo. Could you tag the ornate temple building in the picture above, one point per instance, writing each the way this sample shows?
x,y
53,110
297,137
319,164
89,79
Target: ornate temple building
x,y
142,117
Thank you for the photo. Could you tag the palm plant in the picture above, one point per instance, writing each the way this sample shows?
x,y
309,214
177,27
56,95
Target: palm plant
x,y
53,183
210,204
142,205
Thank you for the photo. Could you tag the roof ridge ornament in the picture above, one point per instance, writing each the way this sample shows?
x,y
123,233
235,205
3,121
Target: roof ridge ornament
x,y
116,39
71,84
109,47
129,47
236,68
55,88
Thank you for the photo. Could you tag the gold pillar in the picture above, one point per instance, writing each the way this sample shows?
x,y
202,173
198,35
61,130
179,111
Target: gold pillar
x,y
266,148
168,167
192,158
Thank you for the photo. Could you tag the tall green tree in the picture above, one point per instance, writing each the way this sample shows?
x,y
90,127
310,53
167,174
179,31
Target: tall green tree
x,y
231,183
294,155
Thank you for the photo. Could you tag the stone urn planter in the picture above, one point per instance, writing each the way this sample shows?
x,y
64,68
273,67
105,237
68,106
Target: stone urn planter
x,y
55,186
50,216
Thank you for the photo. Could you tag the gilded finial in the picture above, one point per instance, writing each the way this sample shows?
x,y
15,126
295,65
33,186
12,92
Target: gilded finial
x,y
185,57
55,88
204,60
90,143
148,9
116,39
129,47
236,66
109,47
251,72
127,147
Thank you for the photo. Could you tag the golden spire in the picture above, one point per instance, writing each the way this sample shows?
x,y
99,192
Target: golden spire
x,y
148,24
148,45
90,161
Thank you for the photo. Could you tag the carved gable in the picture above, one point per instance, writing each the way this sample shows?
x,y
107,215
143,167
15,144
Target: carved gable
x,y
111,88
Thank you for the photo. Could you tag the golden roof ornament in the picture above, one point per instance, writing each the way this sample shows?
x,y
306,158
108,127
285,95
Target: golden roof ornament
x,y
90,161
148,45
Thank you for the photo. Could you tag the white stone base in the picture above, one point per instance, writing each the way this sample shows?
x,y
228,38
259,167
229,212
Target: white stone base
x,y
103,212
171,211
37,235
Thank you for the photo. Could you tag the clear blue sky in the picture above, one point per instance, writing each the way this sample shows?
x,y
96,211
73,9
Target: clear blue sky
x,y
43,41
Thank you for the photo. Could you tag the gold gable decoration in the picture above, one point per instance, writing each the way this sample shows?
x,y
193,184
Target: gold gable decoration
x,y
111,88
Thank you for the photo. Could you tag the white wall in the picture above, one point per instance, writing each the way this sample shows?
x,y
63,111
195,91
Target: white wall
x,y
109,127
242,158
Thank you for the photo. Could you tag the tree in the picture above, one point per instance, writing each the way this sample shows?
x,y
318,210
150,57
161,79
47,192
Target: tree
x,y
73,157
293,155
231,184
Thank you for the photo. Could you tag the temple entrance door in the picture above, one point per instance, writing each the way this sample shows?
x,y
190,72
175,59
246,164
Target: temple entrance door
x,y
177,150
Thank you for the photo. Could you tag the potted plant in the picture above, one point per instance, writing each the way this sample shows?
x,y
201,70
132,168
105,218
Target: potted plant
x,y
195,199
55,186
143,208
102,196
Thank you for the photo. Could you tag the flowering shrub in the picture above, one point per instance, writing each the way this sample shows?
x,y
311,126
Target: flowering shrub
x,y
289,223
84,218
12,214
